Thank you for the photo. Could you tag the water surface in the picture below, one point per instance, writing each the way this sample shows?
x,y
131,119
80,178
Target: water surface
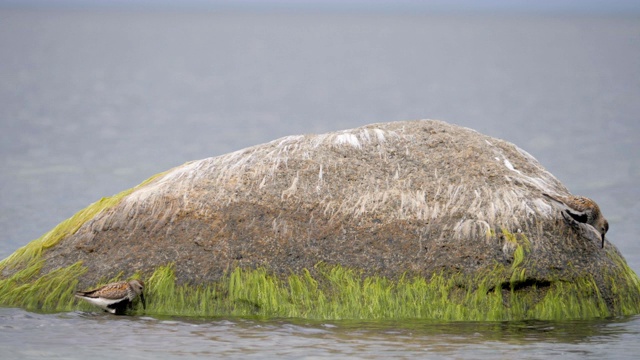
x,y
99,335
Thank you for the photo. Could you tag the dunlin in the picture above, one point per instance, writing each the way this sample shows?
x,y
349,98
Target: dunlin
x,y
115,297
582,210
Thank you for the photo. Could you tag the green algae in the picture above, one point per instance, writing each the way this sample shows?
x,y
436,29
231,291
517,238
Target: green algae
x,y
51,292
502,292
624,286
335,292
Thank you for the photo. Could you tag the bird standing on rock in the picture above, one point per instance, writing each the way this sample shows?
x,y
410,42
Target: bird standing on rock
x,y
582,210
115,297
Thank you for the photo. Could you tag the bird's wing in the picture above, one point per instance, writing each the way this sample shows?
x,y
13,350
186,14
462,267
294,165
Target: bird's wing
x,y
110,291
556,200
579,216
585,230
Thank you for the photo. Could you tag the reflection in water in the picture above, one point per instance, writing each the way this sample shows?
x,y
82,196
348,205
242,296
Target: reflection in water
x,y
32,335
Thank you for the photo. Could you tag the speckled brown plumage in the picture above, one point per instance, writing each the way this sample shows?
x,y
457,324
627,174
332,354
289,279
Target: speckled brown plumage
x,y
114,297
583,210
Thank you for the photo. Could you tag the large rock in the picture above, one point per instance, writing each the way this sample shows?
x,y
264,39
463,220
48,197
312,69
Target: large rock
x,y
412,197
419,196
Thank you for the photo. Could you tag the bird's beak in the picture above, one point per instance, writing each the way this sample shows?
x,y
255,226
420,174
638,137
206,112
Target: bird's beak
x,y
144,303
603,241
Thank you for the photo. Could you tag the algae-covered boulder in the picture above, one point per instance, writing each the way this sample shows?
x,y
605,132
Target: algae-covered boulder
x,y
422,218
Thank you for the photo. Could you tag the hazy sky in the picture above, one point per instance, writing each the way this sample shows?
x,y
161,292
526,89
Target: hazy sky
x,y
579,6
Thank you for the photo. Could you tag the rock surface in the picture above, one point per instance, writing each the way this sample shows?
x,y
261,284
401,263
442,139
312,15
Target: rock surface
x,y
416,197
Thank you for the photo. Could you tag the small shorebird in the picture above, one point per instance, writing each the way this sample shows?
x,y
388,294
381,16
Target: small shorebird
x,y
582,210
115,297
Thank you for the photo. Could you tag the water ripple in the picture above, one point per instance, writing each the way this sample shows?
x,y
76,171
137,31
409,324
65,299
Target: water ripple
x,y
26,335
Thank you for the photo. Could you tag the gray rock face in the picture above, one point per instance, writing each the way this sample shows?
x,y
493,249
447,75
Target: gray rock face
x,y
413,196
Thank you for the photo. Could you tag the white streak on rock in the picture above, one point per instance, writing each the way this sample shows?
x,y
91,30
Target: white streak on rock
x,y
347,139
509,166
